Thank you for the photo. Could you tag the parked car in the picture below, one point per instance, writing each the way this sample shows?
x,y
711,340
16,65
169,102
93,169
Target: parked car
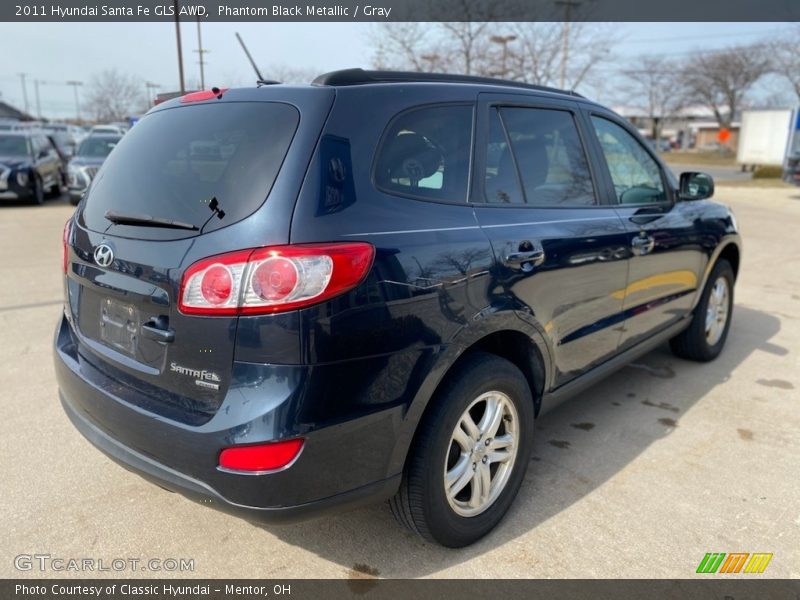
x,y
30,166
109,129
87,161
66,137
65,143
376,303
791,172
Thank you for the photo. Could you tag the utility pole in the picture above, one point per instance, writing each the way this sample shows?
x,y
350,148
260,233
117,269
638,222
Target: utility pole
x,y
22,76
200,52
503,40
75,85
36,83
151,86
178,38
568,6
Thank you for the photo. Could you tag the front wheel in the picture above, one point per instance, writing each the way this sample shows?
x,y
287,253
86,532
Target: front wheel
x,y
470,453
705,337
37,191
55,189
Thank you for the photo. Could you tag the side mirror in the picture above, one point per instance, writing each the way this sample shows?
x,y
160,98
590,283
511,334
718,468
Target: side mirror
x,y
696,186
44,153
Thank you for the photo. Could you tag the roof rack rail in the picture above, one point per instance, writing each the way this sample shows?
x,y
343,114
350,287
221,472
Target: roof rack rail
x,y
361,76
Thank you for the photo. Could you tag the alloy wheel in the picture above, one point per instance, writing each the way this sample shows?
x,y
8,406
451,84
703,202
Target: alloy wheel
x,y
717,311
481,454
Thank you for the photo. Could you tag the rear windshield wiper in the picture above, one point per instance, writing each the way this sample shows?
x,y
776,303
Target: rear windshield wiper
x,y
120,218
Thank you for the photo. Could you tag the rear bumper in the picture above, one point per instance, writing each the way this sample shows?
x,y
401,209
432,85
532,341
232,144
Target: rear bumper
x,y
204,494
343,464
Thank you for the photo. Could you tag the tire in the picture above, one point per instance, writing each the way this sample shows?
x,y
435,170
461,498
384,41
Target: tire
x,y
422,503
705,337
55,189
37,195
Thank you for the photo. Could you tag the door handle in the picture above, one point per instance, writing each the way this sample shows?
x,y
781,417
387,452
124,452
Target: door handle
x,y
152,331
643,245
525,260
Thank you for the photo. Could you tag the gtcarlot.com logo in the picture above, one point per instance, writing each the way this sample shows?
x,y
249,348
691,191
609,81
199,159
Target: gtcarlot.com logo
x,y
47,562
734,562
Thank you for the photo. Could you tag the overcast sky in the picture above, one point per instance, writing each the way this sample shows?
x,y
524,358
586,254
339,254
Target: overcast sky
x,y
58,52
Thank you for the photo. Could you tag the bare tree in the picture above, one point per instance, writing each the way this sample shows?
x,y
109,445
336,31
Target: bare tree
x,y
113,95
720,80
529,52
786,58
539,52
407,46
655,81
465,46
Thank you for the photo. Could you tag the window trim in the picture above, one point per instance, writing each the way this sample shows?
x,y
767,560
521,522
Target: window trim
x,y
669,191
479,199
470,158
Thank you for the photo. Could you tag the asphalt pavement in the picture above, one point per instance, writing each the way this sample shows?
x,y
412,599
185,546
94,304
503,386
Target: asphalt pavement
x,y
640,476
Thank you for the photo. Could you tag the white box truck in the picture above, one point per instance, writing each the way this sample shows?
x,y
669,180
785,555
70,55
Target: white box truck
x,y
765,136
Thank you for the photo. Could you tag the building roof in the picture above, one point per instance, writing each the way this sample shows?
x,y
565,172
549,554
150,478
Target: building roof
x,y
9,112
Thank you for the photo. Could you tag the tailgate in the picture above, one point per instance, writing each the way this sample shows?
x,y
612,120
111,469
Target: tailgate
x,y
130,330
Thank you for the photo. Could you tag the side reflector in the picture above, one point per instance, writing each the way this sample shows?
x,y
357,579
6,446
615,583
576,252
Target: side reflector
x,y
261,457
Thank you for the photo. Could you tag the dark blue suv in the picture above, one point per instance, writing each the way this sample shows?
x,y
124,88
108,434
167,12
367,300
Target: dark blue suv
x,y
284,300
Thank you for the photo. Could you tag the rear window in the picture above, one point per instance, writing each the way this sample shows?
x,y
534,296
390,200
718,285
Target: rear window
x,y
97,147
175,161
425,153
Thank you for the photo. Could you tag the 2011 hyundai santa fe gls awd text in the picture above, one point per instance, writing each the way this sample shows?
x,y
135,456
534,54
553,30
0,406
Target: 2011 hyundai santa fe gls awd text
x,y
290,299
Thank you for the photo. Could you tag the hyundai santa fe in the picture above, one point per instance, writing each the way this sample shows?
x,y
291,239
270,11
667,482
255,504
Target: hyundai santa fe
x,y
287,300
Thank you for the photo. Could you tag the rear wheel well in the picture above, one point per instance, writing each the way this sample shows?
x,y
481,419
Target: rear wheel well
x,y
731,254
519,349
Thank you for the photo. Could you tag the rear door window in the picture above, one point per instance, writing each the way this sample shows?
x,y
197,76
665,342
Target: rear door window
x,y
545,154
501,178
176,160
425,153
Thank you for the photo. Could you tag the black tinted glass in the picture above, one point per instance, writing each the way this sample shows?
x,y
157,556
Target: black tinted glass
x,y
174,161
426,153
550,157
502,181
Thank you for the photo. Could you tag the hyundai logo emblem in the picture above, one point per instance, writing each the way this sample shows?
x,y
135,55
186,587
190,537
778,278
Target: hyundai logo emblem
x,y
104,255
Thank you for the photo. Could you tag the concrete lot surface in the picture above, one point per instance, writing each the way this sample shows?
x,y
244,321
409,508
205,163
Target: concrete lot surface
x,y
639,477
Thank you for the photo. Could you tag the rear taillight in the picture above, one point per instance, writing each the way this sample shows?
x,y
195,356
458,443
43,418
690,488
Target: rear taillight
x,y
276,279
261,457
65,245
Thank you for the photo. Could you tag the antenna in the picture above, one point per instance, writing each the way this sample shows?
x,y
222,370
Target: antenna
x,y
252,62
